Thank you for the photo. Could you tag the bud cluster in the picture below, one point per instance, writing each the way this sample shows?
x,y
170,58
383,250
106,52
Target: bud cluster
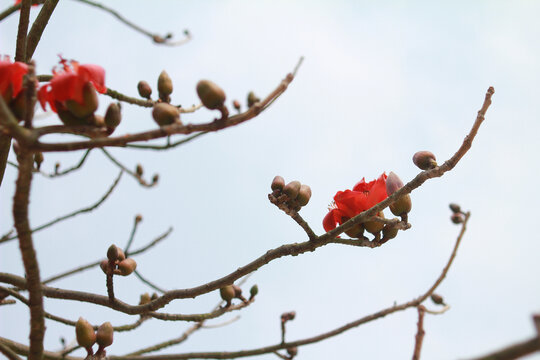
x,y
163,112
290,197
117,263
139,172
146,298
229,292
87,337
457,215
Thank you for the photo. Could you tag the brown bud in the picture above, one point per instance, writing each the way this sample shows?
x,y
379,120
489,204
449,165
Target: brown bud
x,y
138,218
127,266
457,218
211,95
425,160
227,293
112,253
437,299
86,336
304,194
38,159
252,99
104,265
389,232
165,114
455,208
236,105
139,170
165,86
145,299
393,183
144,89
67,117
237,291
403,205
96,120
288,316
373,226
154,296
278,183
56,167
155,178
357,231
121,255
104,335
292,351
292,189
113,116
89,103
18,105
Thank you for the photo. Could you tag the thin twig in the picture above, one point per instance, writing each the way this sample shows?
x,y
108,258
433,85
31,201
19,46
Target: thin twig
x,y
168,145
139,178
165,40
419,338
59,173
149,283
97,262
72,214
136,222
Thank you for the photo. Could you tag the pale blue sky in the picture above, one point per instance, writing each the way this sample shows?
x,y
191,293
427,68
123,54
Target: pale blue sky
x,y
380,81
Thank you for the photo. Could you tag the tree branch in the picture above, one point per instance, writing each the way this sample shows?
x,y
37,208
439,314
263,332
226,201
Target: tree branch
x,y
39,26
419,338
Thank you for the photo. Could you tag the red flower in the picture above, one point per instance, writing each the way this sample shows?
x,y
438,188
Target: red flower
x,y
350,203
11,78
69,83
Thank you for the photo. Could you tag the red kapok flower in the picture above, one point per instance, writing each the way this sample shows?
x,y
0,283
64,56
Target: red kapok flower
x,y
11,78
350,203
68,84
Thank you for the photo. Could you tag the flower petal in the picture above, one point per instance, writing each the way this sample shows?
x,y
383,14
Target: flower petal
x,y
12,74
95,74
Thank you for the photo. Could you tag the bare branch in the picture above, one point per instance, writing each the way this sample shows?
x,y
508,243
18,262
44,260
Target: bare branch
x,y
139,178
72,214
168,145
34,36
24,18
419,338
514,351
10,354
149,283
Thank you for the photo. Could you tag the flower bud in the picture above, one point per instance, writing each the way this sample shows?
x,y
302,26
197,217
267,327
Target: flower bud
x,y
356,232
252,99
112,253
67,117
139,170
292,189
145,299
253,291
292,351
236,105
402,205
155,178
278,183
304,194
104,335
227,293
211,95
38,159
165,114
437,299
144,89
425,160
127,266
138,218
455,208
18,105
96,120
104,265
457,218
237,291
374,227
121,255
389,232
288,316
154,296
89,102
86,337
393,183
113,116
165,86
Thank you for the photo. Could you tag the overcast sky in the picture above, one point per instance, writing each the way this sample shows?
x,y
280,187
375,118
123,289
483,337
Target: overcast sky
x,y
380,81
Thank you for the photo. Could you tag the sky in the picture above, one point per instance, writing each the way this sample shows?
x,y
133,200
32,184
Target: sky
x,y
380,81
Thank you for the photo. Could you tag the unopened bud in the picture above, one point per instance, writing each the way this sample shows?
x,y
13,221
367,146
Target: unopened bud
x,y
236,105
278,183
139,170
403,205
288,316
155,178
127,266
304,194
96,120
154,296
292,351
104,265
145,299
455,208
357,231
138,218
121,255
104,335
227,293
252,99
165,114
425,160
253,291
144,89
56,167
211,95
437,299
374,227
112,253
113,116
292,189
89,103
38,159
457,218
389,232
237,291
86,336
393,183
165,86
